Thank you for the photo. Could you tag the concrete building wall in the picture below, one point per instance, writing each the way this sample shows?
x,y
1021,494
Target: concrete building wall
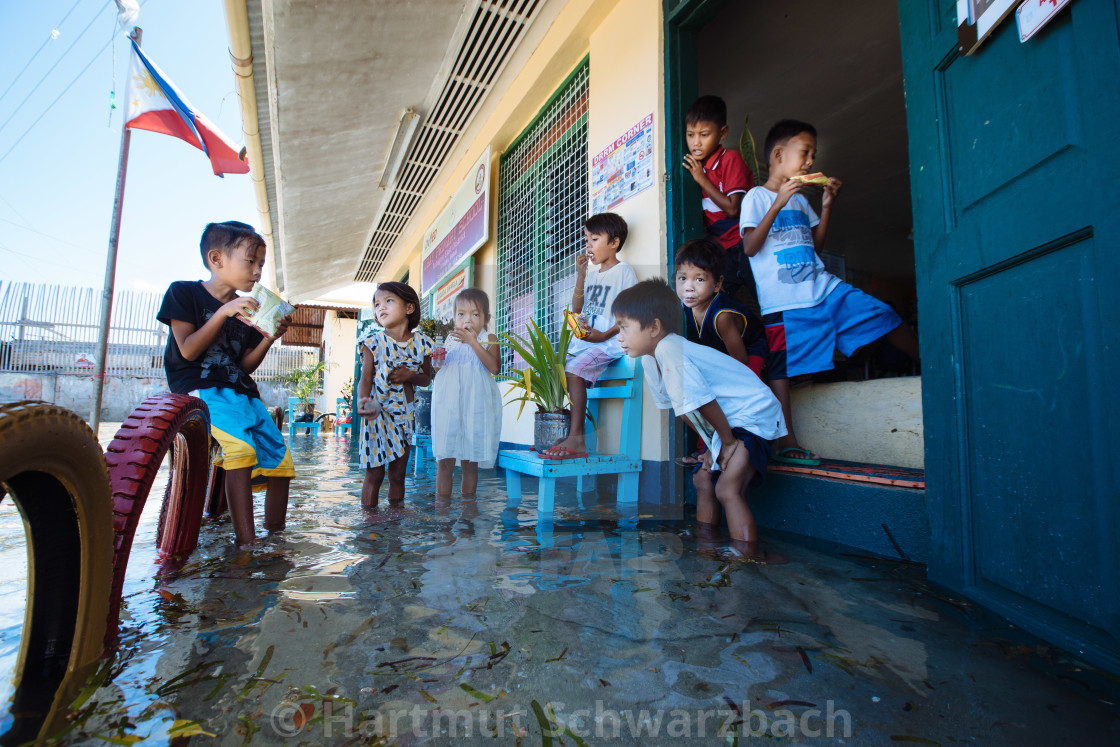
x,y
623,40
625,85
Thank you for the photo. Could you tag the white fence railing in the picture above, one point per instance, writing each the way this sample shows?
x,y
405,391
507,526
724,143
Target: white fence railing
x,y
50,328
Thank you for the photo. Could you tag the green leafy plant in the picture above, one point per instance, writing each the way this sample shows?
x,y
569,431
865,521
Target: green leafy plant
x,y
434,328
348,389
303,382
543,382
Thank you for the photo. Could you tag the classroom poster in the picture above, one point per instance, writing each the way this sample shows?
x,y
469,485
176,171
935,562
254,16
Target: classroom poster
x,y
624,168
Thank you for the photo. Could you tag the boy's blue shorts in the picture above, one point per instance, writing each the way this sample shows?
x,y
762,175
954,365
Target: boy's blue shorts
x,y
802,341
247,434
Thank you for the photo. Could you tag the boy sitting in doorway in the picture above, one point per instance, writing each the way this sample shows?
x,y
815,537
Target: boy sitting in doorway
x,y
605,233
724,179
715,394
211,354
807,312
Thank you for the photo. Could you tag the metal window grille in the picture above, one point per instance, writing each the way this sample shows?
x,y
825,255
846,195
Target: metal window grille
x,y
542,203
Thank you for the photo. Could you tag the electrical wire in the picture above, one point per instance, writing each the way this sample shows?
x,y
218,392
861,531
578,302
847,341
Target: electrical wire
x,y
68,87
56,64
40,49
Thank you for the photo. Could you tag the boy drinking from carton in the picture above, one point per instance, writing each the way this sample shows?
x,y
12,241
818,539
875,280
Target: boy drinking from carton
x,y
598,347
713,393
807,311
211,354
724,179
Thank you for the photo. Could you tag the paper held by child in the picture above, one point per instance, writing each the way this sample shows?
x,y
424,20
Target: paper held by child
x,y
271,310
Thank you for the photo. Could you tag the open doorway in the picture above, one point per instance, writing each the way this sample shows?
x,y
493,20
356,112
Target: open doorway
x,y
837,66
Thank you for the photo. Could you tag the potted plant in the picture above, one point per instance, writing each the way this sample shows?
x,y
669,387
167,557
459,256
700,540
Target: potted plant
x,y
542,382
304,382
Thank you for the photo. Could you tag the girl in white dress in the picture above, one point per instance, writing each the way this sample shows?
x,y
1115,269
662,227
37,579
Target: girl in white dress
x,y
466,403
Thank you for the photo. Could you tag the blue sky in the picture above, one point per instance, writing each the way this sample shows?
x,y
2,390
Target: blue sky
x,y
57,183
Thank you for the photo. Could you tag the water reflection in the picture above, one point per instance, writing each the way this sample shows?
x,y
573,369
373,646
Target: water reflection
x,y
419,621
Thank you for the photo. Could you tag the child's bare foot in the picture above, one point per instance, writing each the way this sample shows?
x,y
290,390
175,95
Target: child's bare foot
x,y
753,551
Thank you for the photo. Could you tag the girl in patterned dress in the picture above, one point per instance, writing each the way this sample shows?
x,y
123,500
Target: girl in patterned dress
x,y
466,396
395,360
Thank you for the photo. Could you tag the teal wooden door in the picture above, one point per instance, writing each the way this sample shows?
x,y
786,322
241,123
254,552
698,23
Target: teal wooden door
x,y
1013,161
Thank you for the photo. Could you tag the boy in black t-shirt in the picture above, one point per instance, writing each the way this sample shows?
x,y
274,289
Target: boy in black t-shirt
x,y
211,353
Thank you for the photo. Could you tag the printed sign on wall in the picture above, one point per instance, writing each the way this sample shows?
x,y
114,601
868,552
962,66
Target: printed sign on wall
x,y
462,227
443,297
624,168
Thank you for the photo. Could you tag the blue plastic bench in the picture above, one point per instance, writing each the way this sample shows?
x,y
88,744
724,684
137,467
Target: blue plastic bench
x,y
293,405
627,464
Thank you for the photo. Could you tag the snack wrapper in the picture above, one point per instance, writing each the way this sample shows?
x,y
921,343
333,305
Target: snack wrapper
x,y
272,309
576,322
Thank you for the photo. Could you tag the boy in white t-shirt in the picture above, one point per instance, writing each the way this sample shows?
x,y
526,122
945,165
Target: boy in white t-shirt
x,y
719,397
594,293
807,312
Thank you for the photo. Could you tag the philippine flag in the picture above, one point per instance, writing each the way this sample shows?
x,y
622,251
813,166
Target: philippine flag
x,y
154,103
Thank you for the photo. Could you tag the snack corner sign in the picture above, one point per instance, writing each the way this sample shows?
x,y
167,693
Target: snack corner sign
x,y
977,19
460,229
1032,15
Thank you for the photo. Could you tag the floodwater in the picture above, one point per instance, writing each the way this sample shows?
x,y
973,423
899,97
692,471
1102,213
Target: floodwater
x,y
470,622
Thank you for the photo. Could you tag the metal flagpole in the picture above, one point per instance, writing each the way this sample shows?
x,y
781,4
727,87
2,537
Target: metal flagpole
x,y
111,264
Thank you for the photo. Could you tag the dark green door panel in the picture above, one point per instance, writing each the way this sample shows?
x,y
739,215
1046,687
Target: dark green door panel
x,y
1016,244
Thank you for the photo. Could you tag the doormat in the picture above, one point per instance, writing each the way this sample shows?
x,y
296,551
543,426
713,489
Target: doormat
x,y
878,474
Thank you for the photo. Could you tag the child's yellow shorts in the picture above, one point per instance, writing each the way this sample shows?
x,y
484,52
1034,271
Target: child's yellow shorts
x,y
247,434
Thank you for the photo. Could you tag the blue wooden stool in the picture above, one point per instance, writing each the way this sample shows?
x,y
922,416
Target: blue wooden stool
x,y
627,464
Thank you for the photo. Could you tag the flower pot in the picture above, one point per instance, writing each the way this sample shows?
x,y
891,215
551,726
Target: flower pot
x,y
306,413
548,428
422,415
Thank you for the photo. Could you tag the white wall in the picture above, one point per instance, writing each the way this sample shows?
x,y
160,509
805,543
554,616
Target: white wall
x,y
340,338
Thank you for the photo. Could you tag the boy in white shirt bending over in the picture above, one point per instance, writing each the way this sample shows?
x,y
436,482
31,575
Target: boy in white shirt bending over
x,y
718,396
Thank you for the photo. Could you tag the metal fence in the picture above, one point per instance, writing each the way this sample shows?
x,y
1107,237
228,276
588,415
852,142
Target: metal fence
x,y
50,328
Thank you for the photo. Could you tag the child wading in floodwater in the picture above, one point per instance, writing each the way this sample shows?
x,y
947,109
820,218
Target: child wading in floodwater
x,y
713,393
212,353
395,360
466,403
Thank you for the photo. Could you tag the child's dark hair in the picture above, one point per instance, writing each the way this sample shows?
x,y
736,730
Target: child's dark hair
x,y
225,237
707,109
404,292
704,254
612,224
781,133
649,300
475,296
